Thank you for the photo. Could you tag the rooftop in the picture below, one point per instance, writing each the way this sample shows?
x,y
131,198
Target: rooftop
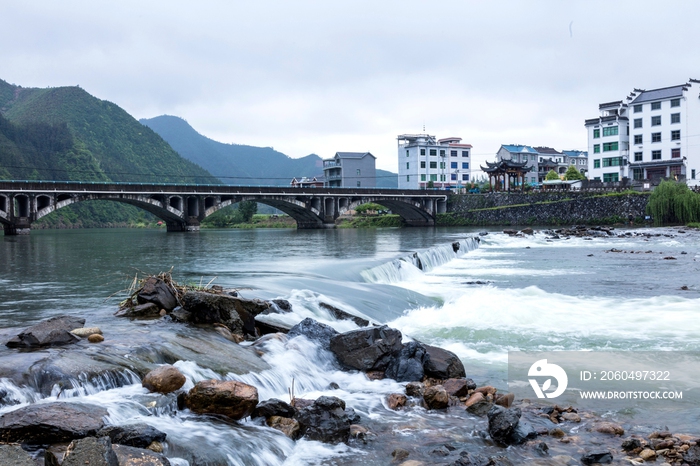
x,y
517,148
547,151
659,94
352,155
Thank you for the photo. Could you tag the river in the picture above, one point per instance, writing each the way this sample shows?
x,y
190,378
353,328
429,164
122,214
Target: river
x,y
497,294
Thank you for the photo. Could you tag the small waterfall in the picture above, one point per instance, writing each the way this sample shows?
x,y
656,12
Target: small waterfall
x,y
413,265
89,385
11,394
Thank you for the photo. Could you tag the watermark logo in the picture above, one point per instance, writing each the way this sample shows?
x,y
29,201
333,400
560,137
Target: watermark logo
x,y
543,369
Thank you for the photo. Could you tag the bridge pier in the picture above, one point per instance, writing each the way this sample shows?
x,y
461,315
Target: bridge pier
x,y
13,229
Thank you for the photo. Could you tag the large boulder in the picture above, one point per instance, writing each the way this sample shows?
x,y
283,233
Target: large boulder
x,y
208,308
164,379
92,451
134,435
314,331
274,407
130,456
141,311
407,366
50,332
443,364
326,420
51,423
370,349
13,455
156,291
288,426
506,428
226,397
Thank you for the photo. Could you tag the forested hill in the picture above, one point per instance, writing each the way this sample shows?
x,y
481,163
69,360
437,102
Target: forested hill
x,y
240,164
64,133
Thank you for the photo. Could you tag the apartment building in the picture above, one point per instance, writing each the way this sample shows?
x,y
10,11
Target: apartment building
x,y
426,161
350,170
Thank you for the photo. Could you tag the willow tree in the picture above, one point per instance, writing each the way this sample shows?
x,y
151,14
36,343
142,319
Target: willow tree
x,y
673,202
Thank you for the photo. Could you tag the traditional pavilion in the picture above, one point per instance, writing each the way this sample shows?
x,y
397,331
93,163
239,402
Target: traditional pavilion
x,y
506,173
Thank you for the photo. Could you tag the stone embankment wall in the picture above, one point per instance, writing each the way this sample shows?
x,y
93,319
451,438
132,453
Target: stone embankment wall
x,y
543,209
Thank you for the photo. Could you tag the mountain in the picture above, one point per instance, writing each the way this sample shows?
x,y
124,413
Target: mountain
x,y
240,164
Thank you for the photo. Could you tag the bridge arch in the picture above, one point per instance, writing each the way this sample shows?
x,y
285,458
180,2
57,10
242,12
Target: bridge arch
x,y
305,216
413,212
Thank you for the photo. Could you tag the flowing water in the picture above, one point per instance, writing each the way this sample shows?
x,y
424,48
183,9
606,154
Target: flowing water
x,y
496,294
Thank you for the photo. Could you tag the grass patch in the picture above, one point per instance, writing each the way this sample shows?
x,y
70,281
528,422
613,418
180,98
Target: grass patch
x,y
382,221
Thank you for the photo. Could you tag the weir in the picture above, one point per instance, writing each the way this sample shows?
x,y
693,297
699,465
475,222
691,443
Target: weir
x,y
183,207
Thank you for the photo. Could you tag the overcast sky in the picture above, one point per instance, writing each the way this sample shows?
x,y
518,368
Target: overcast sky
x,y
325,76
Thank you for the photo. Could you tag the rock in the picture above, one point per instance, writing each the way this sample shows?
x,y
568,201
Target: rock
x,y
289,427
415,389
692,455
96,338
181,315
300,403
556,433
510,232
164,379
92,451
407,366
86,331
282,305
443,364
647,454
483,233
344,315
440,451
456,246
208,308
142,311
474,398
572,417
131,456
505,400
542,449
51,423
458,387
367,349
399,454
155,446
156,291
527,231
226,397
314,331
134,435
602,457
480,408
436,397
631,444
609,428
502,423
486,390
522,433
472,459
396,401
50,332
326,420
375,375
13,455
273,407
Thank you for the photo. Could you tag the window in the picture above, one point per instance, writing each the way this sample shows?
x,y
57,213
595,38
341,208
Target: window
x,y
465,153
422,177
655,137
422,152
533,157
596,163
676,153
433,164
637,138
675,117
637,108
358,172
610,131
596,148
442,152
656,105
453,164
612,161
676,135
596,133
656,120
465,177
408,177
610,177
442,177
433,152
597,178
465,165
675,102
637,122
433,177
638,174
442,165
406,152
453,153
406,165
692,174
637,156
453,177
359,183
422,164
656,155
610,146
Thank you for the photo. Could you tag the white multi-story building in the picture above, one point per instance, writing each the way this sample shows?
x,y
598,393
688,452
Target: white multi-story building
x,y
424,159
661,136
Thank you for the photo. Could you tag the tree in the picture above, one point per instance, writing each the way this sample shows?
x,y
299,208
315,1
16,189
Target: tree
x,y
573,174
247,210
551,175
673,202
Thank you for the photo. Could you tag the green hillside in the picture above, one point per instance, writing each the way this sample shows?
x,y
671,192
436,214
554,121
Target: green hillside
x,y
239,164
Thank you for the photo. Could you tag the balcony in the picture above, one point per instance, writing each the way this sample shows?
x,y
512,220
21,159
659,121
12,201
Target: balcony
x,y
331,164
334,177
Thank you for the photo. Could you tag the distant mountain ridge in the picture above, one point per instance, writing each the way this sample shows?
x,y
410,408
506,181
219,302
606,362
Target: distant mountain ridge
x,y
239,164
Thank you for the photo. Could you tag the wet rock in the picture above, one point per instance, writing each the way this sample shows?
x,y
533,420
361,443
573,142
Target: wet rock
x,y
399,454
326,420
13,455
505,400
92,451
96,338
223,330
456,246
458,387
274,407
288,426
474,398
505,426
647,454
415,389
226,397
571,417
631,444
375,375
440,451
396,401
343,315
134,435
602,457
301,403
164,379
407,366
483,233
486,390
156,291
208,308
436,397
131,456
367,349
142,311
86,331
443,364
181,315
510,232
692,455
473,459
314,331
556,433
527,231
50,332
670,258
282,305
51,423
609,428
542,449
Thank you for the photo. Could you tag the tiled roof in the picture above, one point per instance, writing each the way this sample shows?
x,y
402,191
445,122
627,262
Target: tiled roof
x,y
517,148
547,151
659,94
352,155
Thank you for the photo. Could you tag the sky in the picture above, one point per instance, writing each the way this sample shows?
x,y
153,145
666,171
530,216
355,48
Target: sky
x,y
322,77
